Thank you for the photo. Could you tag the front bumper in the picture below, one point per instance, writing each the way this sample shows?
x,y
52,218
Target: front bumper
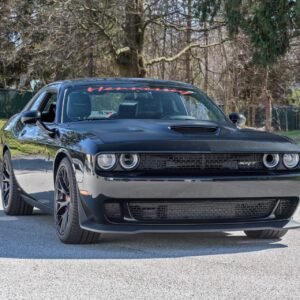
x,y
138,228
105,189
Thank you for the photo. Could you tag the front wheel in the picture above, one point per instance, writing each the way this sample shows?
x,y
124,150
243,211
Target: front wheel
x,y
266,234
66,208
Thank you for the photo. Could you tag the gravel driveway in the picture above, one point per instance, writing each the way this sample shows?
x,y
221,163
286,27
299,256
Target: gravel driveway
x,y
35,265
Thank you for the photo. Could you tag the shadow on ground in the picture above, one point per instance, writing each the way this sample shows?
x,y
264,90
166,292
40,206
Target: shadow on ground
x,y
34,237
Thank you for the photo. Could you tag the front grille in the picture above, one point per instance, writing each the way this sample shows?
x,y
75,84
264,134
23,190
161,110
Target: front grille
x,y
210,210
201,161
286,208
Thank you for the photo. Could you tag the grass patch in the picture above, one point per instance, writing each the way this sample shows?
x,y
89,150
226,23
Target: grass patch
x,y
294,134
2,121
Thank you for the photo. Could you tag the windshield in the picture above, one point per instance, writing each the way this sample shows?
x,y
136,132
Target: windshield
x,y
104,103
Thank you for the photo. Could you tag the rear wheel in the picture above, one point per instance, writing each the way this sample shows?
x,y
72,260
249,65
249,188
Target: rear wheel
x,y
66,208
266,234
13,204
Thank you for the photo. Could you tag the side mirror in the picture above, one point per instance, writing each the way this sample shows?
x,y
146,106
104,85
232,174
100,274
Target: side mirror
x,y
30,116
34,116
237,119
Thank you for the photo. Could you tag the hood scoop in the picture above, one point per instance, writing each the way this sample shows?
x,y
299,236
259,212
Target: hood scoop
x,y
195,129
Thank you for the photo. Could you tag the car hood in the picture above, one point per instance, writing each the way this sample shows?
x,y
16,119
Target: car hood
x,y
168,135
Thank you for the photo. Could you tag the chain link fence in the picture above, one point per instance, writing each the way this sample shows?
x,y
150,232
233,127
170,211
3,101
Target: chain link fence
x,y
13,101
285,117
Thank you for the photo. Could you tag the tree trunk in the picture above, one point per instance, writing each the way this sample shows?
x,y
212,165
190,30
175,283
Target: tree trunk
x,y
188,41
131,60
91,56
253,116
268,108
226,77
268,102
163,64
206,59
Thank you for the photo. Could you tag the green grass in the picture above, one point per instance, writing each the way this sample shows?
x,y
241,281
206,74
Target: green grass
x,y
294,134
2,121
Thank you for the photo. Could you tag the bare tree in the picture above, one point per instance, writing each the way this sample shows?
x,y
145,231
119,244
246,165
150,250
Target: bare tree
x,y
55,39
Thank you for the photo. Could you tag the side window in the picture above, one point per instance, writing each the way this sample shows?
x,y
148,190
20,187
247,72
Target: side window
x,y
37,102
48,108
33,100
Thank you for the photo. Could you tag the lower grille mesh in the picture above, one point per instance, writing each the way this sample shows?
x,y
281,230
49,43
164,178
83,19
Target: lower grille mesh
x,y
286,208
201,210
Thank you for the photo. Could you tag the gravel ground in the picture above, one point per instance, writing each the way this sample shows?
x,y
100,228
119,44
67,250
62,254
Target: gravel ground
x,y
35,265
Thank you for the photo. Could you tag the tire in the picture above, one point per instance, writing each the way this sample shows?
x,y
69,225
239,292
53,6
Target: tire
x,y
13,203
66,208
266,234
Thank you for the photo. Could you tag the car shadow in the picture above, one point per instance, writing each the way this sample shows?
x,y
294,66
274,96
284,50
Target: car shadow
x,y
33,237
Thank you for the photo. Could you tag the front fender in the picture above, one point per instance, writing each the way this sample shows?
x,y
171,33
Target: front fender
x,y
78,161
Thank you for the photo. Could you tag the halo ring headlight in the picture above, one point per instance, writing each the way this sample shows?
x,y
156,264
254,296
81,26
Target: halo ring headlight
x,y
106,161
271,160
129,161
290,161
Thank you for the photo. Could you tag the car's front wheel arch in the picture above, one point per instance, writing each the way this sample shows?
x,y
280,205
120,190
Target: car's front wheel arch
x,y
5,148
60,155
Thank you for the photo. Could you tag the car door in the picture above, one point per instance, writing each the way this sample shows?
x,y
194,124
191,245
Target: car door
x,y
33,175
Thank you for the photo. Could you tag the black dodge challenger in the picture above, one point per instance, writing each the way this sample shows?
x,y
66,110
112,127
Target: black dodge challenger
x,y
141,155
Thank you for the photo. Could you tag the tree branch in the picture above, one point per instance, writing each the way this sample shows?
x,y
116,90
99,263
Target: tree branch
x,y
100,28
185,28
157,17
180,53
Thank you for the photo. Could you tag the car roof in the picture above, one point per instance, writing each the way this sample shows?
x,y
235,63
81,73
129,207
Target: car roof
x,y
146,81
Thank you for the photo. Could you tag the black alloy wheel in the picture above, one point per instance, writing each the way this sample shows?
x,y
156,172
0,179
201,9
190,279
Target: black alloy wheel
x,y
5,187
62,200
66,208
13,203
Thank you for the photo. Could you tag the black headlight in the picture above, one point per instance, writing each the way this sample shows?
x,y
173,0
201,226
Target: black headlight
x,y
271,160
129,161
